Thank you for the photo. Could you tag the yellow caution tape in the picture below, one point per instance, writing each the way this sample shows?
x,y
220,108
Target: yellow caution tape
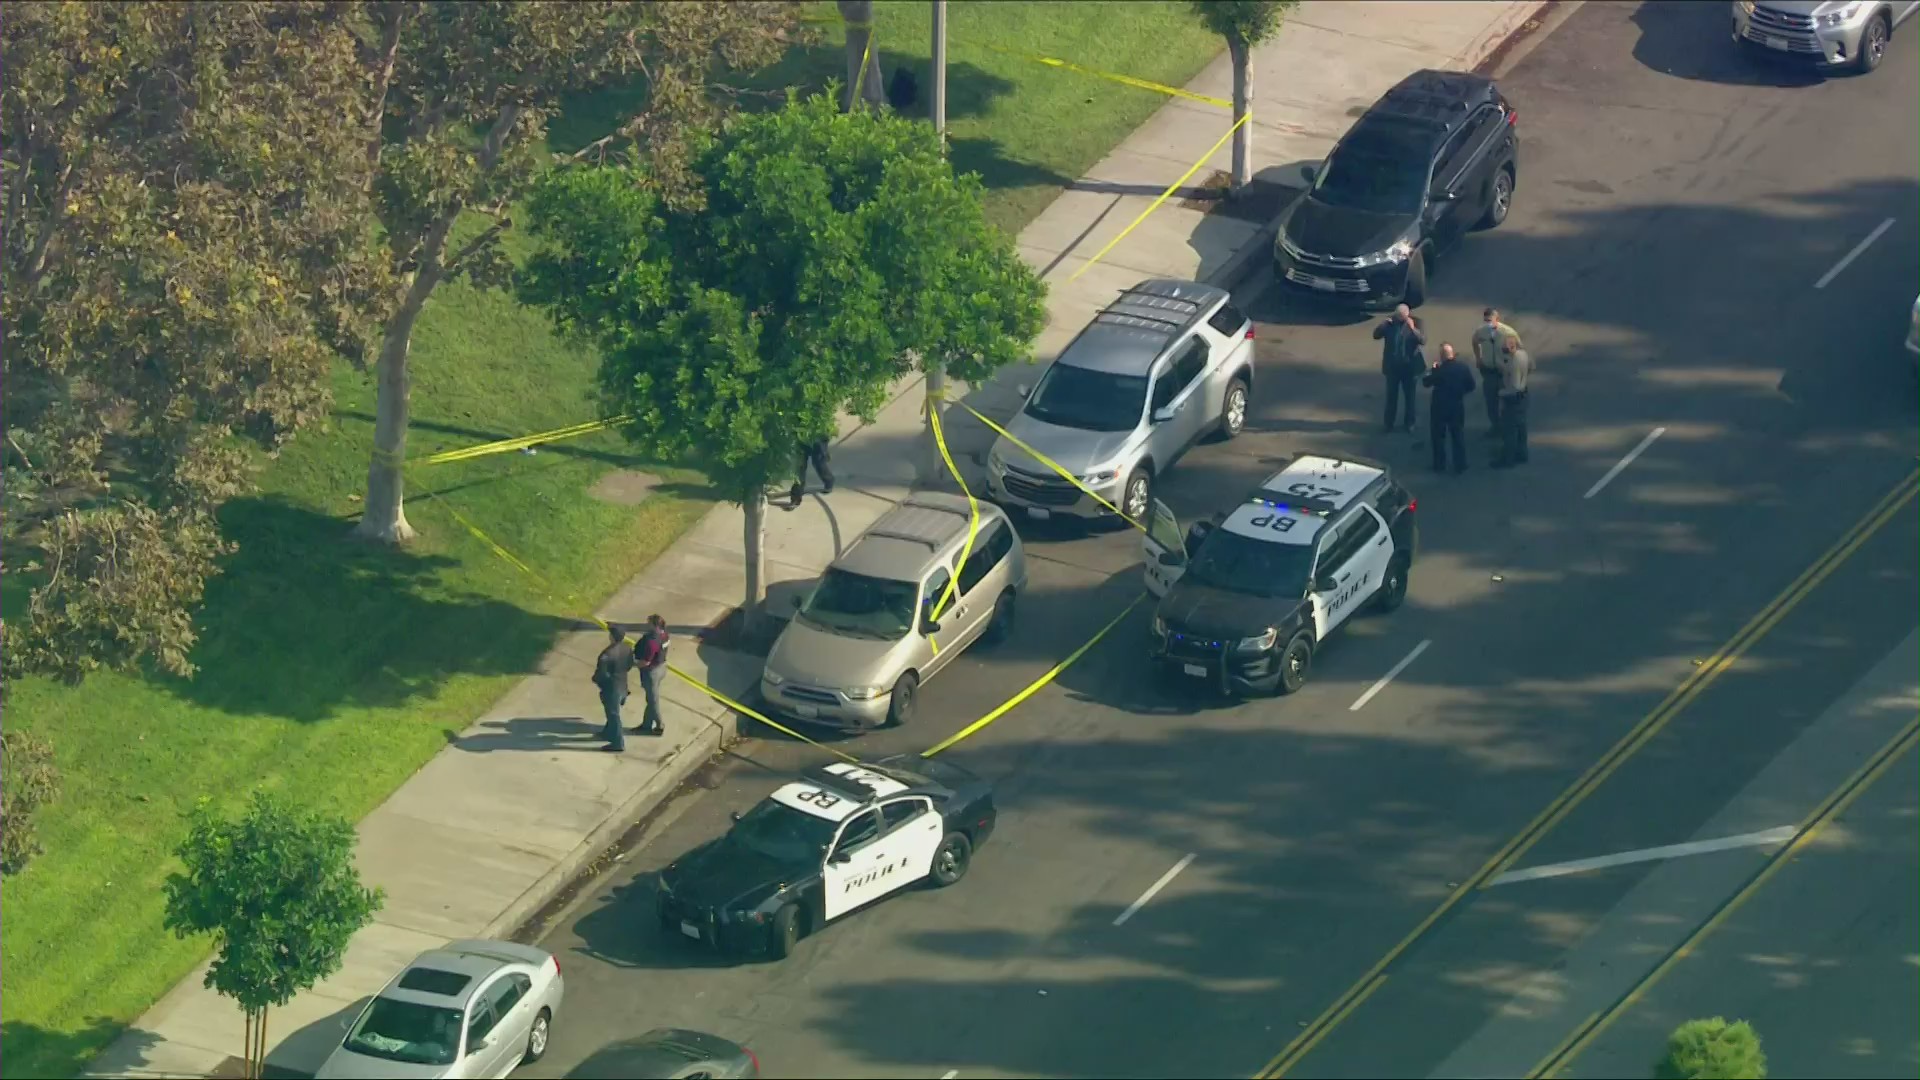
x,y
1124,80
1171,188
1035,686
1051,464
522,442
973,523
739,708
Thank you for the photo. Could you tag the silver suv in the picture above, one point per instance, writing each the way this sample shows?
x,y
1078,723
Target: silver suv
x,y
1165,365
875,628
1839,33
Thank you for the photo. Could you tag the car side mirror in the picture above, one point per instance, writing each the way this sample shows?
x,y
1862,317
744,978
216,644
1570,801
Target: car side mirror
x,y
930,626
1308,172
1171,558
1324,583
798,601
840,858
1024,390
1446,196
1161,416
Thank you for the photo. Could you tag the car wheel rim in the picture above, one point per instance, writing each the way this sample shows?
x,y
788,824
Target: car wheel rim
x,y
1236,409
949,862
539,1038
1502,198
1137,499
1876,42
1296,663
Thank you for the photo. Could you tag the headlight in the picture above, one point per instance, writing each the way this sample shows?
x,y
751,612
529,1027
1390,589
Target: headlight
x,y
1098,476
864,693
1835,18
995,460
1398,253
772,677
1746,7
1159,626
1258,642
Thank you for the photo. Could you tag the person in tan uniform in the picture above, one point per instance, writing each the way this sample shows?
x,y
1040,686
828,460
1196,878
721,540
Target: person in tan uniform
x,y
1486,357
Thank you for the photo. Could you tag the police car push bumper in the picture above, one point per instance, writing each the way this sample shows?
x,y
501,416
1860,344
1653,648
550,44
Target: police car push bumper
x,y
1244,665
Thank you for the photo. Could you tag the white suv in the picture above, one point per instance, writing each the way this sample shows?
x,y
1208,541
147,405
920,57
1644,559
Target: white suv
x,y
1165,365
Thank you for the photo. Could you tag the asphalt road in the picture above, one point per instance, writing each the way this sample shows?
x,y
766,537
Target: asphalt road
x,y
1676,208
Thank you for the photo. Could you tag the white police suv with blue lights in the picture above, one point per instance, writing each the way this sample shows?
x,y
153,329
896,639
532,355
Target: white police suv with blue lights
x,y
1247,599
838,839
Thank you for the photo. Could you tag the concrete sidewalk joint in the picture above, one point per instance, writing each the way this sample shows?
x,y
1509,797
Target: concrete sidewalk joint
x,y
496,826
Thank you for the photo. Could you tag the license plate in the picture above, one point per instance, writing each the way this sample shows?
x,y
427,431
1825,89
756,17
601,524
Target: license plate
x,y
1194,669
1321,283
1776,43
805,712
1039,513
690,930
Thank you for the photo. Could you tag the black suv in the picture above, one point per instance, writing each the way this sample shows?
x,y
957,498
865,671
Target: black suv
x,y
1434,157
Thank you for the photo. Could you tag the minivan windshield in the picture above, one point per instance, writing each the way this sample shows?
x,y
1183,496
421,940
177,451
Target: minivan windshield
x,y
1241,564
1368,180
407,1031
860,606
1078,397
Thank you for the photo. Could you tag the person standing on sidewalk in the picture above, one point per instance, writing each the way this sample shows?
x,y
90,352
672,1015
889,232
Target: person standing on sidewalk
x,y
1487,342
815,454
652,658
1451,381
610,674
1402,359
1516,376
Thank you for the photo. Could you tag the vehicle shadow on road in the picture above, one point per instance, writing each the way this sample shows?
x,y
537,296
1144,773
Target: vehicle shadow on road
x,y
623,930
1691,40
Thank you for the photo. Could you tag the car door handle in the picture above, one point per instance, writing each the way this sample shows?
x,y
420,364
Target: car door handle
x,y
1346,575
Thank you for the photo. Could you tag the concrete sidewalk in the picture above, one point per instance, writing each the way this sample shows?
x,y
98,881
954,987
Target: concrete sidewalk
x,y
495,826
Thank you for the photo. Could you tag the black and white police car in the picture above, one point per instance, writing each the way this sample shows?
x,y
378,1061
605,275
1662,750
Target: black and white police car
x,y
1247,599
838,839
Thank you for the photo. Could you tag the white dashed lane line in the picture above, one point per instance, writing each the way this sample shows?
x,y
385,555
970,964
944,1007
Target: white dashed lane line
x,y
1389,676
1764,838
1154,890
1847,259
1621,465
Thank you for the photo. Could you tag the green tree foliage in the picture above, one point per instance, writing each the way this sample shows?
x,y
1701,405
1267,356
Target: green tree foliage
x,y
461,97
829,250
1715,1049
278,891
186,248
1244,24
28,781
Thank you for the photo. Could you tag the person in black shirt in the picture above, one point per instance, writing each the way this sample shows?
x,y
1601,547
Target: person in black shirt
x,y
652,659
610,674
1452,383
1402,361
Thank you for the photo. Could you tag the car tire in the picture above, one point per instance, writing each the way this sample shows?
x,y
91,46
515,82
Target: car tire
x,y
785,932
1393,591
950,860
1136,498
1416,291
1000,623
1233,410
1296,663
537,1037
904,700
1873,45
1500,203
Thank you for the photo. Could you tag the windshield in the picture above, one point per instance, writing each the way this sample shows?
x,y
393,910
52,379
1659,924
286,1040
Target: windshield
x,y
861,606
1375,183
1078,397
407,1031
783,833
1240,564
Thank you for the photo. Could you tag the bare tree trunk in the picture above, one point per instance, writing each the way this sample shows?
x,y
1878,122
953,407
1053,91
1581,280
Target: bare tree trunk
x,y
858,17
1242,103
260,1053
246,1052
755,540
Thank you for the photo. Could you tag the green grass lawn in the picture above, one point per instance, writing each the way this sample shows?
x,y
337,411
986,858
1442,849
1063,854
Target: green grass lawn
x,y
333,671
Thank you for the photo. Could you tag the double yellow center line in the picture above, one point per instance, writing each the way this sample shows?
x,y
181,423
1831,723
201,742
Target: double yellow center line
x,y
1642,733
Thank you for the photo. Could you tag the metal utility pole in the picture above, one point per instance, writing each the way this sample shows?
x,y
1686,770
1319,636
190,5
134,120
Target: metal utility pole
x,y
936,375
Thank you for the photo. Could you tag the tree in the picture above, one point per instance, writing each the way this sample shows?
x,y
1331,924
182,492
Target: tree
x,y
1244,23
831,249
863,88
187,246
462,94
1713,1049
278,890
28,781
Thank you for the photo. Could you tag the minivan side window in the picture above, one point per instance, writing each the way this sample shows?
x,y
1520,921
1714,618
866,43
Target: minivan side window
x,y
989,548
1227,321
936,588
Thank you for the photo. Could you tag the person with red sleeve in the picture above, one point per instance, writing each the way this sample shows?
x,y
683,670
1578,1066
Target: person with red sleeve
x,y
651,658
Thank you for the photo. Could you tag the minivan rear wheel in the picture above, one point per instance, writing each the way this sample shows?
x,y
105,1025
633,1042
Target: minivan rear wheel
x,y
1000,623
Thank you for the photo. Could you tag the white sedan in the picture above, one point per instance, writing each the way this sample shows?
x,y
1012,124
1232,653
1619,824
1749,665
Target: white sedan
x,y
469,1009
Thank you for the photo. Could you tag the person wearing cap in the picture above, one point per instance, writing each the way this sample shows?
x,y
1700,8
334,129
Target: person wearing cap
x,y
1486,356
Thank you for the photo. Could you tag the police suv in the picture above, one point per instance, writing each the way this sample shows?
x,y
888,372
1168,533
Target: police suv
x,y
838,839
1247,599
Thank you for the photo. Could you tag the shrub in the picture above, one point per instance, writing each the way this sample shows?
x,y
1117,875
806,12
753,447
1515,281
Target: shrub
x,y
28,780
1713,1049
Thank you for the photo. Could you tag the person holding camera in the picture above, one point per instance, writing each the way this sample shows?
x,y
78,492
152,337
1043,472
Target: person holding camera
x,y
1402,360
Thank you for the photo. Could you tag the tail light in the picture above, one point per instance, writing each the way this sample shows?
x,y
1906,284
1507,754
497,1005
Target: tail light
x,y
555,961
755,1058
1249,331
1513,117
1412,505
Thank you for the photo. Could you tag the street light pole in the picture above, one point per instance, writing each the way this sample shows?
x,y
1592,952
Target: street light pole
x,y
936,374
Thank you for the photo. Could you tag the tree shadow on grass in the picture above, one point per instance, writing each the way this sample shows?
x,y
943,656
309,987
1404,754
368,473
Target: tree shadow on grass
x,y
32,1050
302,623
